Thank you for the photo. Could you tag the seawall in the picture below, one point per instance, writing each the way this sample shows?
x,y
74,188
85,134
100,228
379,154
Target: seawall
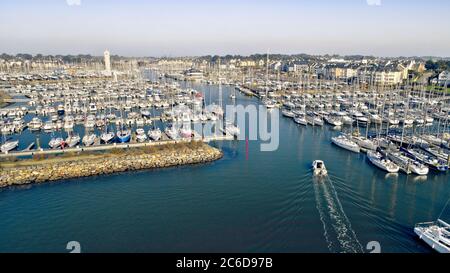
x,y
76,166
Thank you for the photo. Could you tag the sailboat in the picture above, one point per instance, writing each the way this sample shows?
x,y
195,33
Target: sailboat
x,y
73,140
9,146
89,139
345,143
382,163
435,234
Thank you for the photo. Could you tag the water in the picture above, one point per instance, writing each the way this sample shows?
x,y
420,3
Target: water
x,y
268,203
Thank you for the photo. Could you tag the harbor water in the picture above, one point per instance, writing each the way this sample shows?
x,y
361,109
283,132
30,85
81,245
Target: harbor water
x,y
255,202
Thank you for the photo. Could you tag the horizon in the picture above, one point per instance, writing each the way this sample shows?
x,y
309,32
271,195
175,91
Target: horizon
x,y
175,28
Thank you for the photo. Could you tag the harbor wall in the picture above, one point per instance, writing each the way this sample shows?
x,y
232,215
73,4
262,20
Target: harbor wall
x,y
59,169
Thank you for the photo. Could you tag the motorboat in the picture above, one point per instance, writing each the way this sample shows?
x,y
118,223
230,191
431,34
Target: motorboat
x,y
155,134
319,168
89,139
107,137
9,146
35,124
56,142
300,119
72,140
140,135
124,136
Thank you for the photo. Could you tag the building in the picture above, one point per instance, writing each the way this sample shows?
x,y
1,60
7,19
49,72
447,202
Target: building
x,y
107,59
444,78
194,75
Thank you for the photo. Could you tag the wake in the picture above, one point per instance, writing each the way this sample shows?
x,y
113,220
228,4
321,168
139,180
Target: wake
x,y
338,232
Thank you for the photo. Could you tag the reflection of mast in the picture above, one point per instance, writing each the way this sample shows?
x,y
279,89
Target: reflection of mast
x,y
220,88
267,72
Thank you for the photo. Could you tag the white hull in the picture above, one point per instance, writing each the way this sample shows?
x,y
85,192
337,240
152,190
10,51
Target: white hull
x,y
346,144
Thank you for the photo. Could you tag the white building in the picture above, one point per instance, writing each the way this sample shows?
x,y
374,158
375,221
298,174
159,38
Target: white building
x,y
444,78
107,59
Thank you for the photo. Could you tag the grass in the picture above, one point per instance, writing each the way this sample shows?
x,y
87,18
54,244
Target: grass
x,y
438,89
40,159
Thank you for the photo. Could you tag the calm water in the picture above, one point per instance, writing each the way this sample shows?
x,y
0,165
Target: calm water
x,y
268,203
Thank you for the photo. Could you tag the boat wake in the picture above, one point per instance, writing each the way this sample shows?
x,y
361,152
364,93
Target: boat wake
x,y
338,232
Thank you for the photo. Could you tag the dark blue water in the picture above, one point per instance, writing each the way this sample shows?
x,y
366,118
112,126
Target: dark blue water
x,y
268,203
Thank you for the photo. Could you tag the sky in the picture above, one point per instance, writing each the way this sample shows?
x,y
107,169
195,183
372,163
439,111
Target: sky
x,y
208,27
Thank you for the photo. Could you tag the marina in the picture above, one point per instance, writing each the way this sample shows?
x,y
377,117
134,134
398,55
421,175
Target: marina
x,y
391,202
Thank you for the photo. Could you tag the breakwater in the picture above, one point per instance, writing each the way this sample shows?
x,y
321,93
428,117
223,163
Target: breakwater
x,y
40,170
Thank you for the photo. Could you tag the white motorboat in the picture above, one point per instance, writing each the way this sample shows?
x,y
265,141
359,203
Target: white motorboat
x,y
232,129
300,119
171,132
124,136
89,140
319,168
35,124
345,143
140,135
49,126
155,134
107,137
56,142
287,113
72,140
382,163
435,234
9,146
333,121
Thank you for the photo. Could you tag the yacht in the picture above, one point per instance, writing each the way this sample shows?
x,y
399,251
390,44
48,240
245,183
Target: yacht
x,y
72,140
9,146
140,135
319,168
68,123
345,143
124,136
365,143
383,163
435,234
89,139
171,132
232,129
56,143
48,126
35,124
155,134
333,121
287,113
300,119
408,165
186,132
107,137
269,104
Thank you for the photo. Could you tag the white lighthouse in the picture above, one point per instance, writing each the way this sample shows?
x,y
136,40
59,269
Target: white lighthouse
x,y
107,59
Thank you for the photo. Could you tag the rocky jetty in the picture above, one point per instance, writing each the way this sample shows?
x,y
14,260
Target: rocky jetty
x,y
53,170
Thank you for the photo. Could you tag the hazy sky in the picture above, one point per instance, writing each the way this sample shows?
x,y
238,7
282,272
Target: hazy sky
x,y
201,27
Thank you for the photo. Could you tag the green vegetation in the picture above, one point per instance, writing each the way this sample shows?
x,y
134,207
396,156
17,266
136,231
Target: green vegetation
x,y
437,66
438,89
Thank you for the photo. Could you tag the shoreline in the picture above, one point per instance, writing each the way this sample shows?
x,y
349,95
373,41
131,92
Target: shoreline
x,y
35,171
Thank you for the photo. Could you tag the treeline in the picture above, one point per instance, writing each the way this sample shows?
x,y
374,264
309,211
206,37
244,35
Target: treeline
x,y
438,66
65,58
